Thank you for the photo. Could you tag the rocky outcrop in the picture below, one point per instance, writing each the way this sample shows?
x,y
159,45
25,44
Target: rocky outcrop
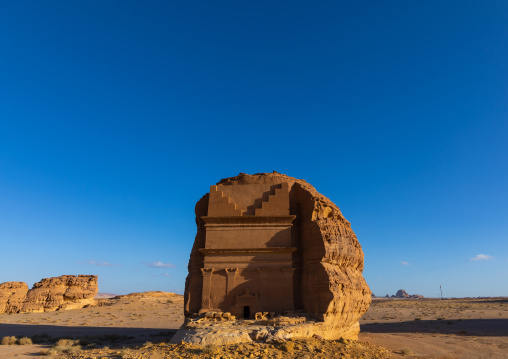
x,y
12,295
64,292
328,285
402,294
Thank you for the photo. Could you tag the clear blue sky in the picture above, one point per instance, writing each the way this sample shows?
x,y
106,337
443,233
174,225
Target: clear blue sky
x,y
117,116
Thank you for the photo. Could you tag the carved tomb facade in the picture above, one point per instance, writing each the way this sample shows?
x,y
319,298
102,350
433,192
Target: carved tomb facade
x,y
248,264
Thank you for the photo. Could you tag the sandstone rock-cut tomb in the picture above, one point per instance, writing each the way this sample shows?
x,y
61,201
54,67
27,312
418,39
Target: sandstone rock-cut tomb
x,y
272,245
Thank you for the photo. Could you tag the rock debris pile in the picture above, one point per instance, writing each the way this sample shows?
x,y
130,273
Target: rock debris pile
x,y
304,349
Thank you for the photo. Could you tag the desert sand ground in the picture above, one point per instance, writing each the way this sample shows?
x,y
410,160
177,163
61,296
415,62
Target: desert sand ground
x,y
140,325
433,328
141,317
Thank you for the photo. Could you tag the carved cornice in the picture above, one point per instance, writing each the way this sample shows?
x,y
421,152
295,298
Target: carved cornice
x,y
241,221
246,251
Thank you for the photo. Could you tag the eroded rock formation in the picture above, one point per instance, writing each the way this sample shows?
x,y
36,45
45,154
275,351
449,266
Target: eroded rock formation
x,y
64,292
12,296
311,243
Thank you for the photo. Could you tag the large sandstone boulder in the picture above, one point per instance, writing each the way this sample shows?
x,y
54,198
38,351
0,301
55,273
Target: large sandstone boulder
x,y
328,285
64,292
12,295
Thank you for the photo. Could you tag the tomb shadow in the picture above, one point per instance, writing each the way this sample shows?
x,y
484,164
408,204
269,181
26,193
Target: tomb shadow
x,y
68,332
484,301
466,327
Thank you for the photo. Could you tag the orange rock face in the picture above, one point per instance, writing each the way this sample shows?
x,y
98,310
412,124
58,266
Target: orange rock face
x,y
12,295
64,292
271,243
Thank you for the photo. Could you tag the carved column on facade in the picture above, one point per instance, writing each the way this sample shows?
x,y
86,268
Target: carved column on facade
x,y
207,282
288,287
263,284
231,275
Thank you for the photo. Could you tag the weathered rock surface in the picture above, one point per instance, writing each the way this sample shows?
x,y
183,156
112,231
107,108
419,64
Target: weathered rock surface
x,y
297,349
12,295
64,292
328,285
213,336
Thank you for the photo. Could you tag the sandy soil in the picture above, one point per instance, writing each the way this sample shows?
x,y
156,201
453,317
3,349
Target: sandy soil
x,y
140,325
141,317
431,328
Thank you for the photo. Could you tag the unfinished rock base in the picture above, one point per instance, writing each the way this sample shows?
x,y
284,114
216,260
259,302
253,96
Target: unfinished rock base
x,y
220,329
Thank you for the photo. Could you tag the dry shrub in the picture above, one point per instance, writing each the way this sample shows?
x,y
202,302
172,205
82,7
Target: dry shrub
x,y
73,350
25,341
9,341
67,342
53,351
65,346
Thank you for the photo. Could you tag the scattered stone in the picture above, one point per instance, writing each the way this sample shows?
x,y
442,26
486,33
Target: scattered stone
x,y
309,348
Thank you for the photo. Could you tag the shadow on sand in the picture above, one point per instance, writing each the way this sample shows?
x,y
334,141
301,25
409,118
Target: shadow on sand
x,y
56,331
501,300
470,327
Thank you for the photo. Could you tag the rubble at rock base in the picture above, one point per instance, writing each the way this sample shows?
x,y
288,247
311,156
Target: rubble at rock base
x,y
305,349
217,329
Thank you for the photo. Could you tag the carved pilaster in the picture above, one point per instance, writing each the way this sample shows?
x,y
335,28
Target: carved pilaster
x,y
231,276
288,287
207,281
263,283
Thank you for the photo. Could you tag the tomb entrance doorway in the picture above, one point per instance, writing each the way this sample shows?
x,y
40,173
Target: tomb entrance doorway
x,y
246,312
